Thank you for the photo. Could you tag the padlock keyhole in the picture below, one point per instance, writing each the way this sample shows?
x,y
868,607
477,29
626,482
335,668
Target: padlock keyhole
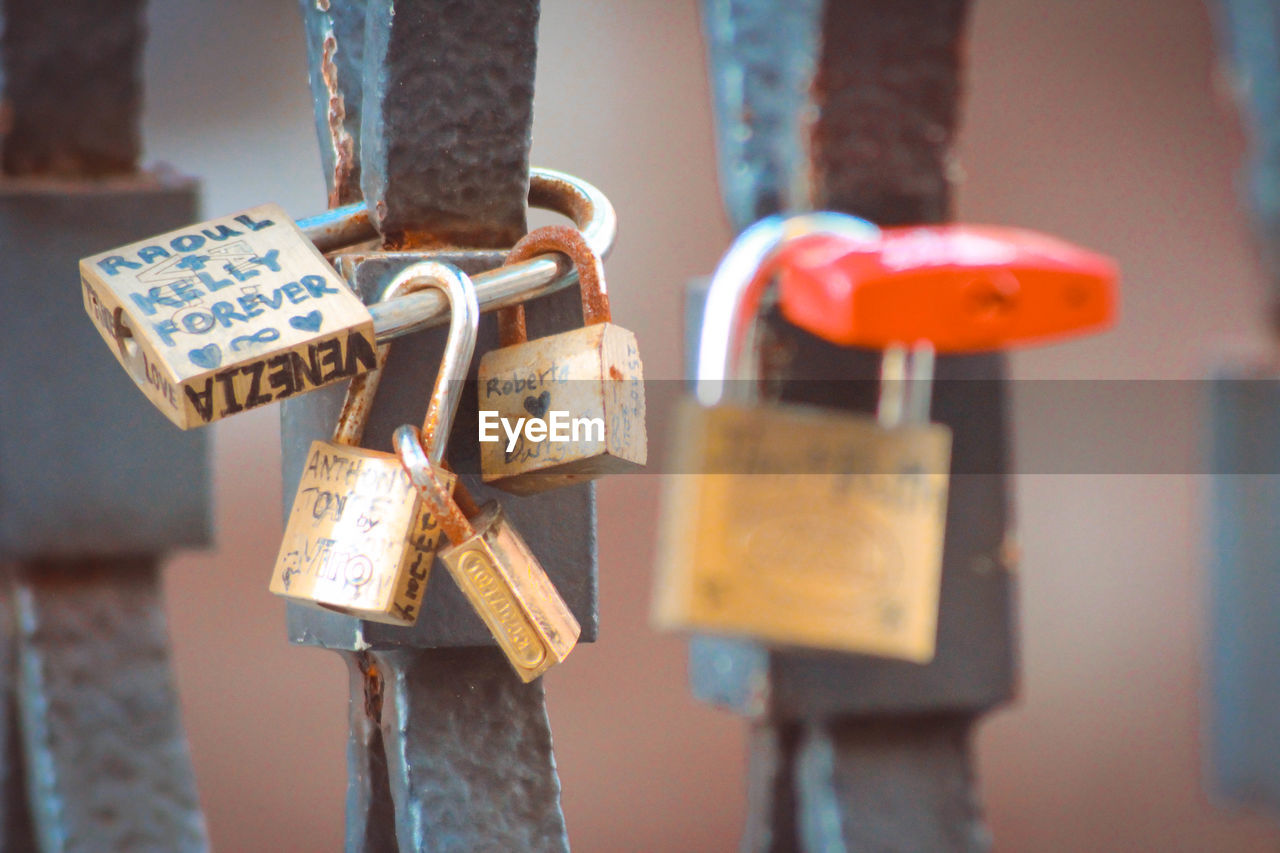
x,y
993,297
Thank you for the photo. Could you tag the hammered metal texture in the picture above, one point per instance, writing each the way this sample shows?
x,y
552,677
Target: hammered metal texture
x,y
72,87
448,110
106,756
469,753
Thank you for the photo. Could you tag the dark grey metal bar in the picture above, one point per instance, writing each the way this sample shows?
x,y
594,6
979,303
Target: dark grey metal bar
x,y
852,106
94,486
444,737
106,757
448,107
71,87
1243,412
468,742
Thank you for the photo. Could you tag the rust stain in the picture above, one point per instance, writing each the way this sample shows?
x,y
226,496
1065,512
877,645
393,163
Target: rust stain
x,y
373,686
615,373
344,147
566,241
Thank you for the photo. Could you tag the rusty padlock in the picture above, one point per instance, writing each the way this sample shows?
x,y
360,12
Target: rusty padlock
x,y
565,408
227,315
359,539
811,527
494,569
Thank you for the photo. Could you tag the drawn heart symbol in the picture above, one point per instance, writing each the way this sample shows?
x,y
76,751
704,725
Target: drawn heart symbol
x,y
537,406
208,356
307,322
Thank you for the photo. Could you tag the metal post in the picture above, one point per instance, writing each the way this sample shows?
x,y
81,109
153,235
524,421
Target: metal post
x,y
1243,403
424,108
94,486
852,106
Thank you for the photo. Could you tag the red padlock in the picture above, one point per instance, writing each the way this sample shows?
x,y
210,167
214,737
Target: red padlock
x,y
962,288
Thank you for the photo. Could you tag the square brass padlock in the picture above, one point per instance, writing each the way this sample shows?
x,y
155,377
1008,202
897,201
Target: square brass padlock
x,y
585,387
358,539
227,315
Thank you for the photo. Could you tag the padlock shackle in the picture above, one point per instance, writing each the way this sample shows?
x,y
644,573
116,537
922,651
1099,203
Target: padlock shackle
x,y
560,192
407,442
739,282
464,322
586,263
584,204
358,402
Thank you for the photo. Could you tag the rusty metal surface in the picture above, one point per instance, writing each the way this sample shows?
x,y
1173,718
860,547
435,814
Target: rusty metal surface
x,y
72,87
448,109
335,63
106,756
852,106
371,824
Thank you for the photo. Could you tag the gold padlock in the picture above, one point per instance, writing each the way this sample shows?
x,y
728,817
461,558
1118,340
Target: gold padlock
x,y
359,539
227,315
800,525
494,568
565,408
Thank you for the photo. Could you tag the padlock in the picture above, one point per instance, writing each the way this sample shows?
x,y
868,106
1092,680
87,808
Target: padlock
x,y
800,526
965,288
494,568
227,315
242,311
359,539
565,408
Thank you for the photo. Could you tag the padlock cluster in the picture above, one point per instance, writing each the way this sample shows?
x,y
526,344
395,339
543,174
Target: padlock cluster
x,y
245,310
821,528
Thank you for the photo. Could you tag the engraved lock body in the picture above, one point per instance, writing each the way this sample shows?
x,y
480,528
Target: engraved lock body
x,y
227,315
585,387
814,528
800,525
495,569
359,539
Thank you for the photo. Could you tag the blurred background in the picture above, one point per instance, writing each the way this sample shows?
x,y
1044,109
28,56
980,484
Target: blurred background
x,y
1098,121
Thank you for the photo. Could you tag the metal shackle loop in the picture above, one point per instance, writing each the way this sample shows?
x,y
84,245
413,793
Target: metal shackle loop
x,y
512,284
464,321
358,402
586,262
549,189
739,282
422,473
